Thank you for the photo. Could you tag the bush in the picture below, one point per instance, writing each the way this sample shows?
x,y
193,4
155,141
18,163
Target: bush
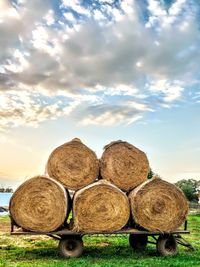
x,y
189,187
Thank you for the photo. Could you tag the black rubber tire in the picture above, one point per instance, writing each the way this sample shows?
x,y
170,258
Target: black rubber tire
x,y
71,247
167,246
138,242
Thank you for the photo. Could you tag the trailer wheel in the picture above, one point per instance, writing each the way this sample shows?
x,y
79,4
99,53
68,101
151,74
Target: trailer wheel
x,y
71,247
138,242
167,246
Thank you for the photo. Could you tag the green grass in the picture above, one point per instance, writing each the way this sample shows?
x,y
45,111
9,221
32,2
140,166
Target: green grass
x,y
4,218
42,251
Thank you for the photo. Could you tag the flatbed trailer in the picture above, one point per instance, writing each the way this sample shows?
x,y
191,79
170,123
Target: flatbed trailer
x,y
71,243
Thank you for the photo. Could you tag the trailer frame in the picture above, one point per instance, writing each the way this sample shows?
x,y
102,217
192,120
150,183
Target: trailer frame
x,y
71,244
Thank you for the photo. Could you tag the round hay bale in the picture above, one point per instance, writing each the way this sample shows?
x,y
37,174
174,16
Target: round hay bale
x,y
73,164
158,205
40,204
124,165
100,207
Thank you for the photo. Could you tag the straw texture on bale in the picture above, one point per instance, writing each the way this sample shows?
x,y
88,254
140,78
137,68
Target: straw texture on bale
x,y
158,205
73,164
40,204
124,165
100,207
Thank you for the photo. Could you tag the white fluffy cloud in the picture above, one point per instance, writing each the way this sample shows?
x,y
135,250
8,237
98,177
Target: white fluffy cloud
x,y
107,115
170,90
31,108
99,52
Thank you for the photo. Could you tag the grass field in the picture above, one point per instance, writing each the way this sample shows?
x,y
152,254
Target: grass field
x,y
42,251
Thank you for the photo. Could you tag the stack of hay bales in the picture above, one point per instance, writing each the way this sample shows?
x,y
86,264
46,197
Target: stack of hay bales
x,y
107,192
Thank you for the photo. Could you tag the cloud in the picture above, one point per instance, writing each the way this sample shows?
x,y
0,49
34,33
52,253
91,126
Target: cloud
x,y
171,90
196,97
95,51
165,18
75,6
109,118
114,114
31,108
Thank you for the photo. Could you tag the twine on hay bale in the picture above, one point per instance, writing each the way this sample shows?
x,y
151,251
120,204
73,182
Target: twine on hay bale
x,y
73,164
40,204
124,165
158,205
100,207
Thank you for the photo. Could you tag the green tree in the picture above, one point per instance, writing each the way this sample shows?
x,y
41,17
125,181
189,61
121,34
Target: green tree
x,y
9,190
189,187
6,190
150,174
2,189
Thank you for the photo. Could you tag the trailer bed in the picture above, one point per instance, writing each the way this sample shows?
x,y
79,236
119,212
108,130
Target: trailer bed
x,y
71,243
123,231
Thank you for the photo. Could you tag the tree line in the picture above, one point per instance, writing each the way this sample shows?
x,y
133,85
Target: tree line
x,y
6,190
191,189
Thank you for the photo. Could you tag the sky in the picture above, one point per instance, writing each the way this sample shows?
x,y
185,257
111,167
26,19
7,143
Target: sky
x,y
101,71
